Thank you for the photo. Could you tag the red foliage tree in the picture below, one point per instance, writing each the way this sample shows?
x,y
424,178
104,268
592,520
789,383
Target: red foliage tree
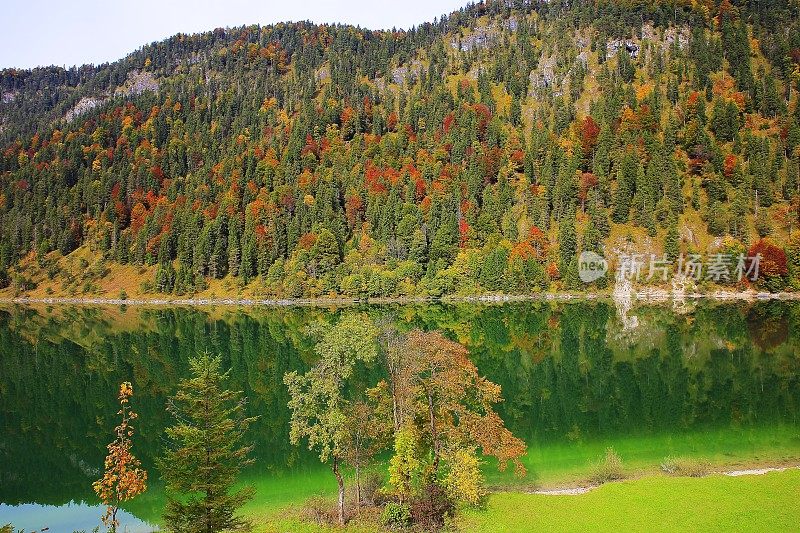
x,y
586,183
463,232
539,243
773,259
353,206
589,132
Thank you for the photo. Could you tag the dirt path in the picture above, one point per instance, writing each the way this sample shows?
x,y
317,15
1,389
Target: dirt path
x,y
574,491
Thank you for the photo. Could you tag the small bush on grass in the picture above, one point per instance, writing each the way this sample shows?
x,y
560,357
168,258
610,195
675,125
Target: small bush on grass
x,y
432,508
396,515
681,466
608,469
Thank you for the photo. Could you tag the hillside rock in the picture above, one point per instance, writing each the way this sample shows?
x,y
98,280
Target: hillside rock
x,y
137,83
84,105
615,45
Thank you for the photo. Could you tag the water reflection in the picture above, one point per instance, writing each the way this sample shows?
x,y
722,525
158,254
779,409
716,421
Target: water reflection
x,y
67,518
574,377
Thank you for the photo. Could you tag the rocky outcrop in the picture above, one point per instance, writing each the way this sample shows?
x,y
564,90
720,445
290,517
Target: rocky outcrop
x,y
680,35
545,73
615,45
405,73
481,37
136,84
323,74
84,105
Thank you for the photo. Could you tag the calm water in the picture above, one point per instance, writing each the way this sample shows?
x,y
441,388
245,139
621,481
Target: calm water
x,y
717,381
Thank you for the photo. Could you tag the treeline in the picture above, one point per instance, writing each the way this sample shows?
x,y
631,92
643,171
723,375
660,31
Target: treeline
x,y
482,152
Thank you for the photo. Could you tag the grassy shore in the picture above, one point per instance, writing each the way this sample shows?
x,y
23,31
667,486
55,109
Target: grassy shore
x,y
767,502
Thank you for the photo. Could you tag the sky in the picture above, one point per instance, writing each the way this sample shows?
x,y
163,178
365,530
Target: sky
x,y
76,32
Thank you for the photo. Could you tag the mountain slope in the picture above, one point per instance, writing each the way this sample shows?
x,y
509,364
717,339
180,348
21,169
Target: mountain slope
x,y
481,152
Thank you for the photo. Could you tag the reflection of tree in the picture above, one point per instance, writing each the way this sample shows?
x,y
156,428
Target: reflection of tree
x,y
768,325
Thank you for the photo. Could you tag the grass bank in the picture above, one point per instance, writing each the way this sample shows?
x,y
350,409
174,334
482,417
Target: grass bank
x,y
766,502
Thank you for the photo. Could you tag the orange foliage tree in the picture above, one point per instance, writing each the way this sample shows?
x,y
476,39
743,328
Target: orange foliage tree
x,y
123,479
440,390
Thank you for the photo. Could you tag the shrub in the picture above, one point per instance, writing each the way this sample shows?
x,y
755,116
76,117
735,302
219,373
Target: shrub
x,y
681,466
609,468
371,483
123,295
432,507
21,283
396,515
320,511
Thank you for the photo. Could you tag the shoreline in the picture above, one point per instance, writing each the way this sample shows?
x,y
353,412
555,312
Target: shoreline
x,y
648,295
584,488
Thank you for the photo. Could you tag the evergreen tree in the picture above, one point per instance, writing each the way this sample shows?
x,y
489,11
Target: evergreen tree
x,y
628,175
205,452
672,242
567,241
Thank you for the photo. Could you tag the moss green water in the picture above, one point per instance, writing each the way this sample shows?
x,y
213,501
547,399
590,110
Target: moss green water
x,y
718,383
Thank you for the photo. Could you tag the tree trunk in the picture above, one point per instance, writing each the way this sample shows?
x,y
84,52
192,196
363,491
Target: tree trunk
x,y
395,412
358,486
434,435
340,481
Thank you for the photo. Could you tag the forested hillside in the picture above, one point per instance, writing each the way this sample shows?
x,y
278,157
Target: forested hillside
x,y
478,153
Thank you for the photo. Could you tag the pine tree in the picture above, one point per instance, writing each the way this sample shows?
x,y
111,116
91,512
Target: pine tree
x,y
627,177
165,277
625,66
205,452
567,241
234,248
672,242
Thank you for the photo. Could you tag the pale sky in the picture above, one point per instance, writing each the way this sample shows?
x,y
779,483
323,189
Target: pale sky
x,y
65,33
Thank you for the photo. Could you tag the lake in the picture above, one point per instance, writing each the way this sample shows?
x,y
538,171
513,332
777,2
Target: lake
x,y
715,381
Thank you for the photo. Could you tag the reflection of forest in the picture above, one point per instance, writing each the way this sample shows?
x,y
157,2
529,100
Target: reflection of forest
x,y
563,368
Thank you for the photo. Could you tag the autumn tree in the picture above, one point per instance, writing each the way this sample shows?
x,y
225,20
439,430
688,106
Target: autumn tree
x,y
452,420
206,452
772,266
367,432
123,478
320,411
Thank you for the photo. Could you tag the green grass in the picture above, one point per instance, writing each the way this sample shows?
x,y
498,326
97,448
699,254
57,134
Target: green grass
x,y
656,503
567,462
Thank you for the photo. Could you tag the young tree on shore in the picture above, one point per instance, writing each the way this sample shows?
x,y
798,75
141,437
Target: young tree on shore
x,y
123,479
206,452
320,410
